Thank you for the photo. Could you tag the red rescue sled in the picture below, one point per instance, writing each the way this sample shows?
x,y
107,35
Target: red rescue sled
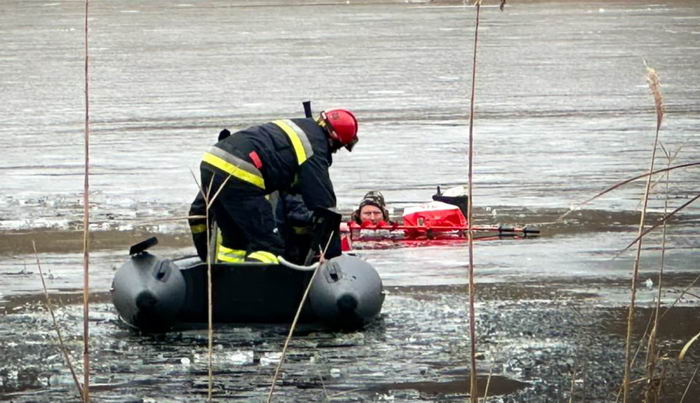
x,y
427,224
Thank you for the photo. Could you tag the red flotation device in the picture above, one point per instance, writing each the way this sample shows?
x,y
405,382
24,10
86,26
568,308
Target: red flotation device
x,y
428,221
428,224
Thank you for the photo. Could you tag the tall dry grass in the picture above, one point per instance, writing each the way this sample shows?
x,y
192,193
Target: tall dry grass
x,y
473,386
655,87
654,383
61,344
208,201
296,318
625,182
86,223
210,299
687,388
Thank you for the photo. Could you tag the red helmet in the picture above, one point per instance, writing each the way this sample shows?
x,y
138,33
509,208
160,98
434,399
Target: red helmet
x,y
341,125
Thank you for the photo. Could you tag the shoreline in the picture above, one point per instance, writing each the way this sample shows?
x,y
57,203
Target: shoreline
x,y
540,340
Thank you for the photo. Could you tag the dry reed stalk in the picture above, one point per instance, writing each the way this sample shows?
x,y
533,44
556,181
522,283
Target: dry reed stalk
x,y
323,386
669,161
488,380
573,384
690,382
583,382
620,389
681,356
636,354
210,297
86,225
210,308
626,181
647,332
61,344
210,316
473,388
660,386
693,295
662,221
685,291
345,392
655,87
296,318
652,354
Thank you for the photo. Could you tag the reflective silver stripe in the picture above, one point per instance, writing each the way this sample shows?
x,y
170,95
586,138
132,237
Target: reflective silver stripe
x,y
300,141
239,162
303,137
234,165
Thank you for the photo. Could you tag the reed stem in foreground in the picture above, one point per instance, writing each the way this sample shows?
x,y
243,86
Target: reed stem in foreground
x,y
626,181
210,307
296,318
655,87
61,344
210,317
86,225
473,387
652,351
687,388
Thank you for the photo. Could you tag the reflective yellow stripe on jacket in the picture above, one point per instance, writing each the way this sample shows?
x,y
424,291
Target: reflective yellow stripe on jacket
x,y
237,167
300,142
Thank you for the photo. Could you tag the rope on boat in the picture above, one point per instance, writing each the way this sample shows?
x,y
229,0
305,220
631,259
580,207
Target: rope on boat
x,y
299,267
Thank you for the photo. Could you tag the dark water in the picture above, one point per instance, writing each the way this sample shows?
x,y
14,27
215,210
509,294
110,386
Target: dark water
x,y
562,112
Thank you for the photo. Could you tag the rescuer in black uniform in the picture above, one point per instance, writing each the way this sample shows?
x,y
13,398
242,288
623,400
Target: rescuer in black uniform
x,y
291,155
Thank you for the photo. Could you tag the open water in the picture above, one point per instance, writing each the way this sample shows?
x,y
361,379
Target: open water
x,y
562,112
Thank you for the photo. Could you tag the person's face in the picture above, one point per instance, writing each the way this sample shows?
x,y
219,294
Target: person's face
x,y
371,213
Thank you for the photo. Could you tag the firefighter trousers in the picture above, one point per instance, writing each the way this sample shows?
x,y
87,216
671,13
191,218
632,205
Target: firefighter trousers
x,y
243,214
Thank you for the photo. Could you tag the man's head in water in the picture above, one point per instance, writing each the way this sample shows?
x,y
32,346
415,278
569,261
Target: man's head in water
x,y
371,209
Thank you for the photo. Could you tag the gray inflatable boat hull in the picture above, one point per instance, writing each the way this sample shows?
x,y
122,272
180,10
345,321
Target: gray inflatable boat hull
x,y
154,294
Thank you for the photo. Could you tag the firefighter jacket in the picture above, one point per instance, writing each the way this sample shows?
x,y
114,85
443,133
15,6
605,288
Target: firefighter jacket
x,y
291,155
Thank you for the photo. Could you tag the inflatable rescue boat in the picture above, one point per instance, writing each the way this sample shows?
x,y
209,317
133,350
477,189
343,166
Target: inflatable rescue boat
x,y
155,294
